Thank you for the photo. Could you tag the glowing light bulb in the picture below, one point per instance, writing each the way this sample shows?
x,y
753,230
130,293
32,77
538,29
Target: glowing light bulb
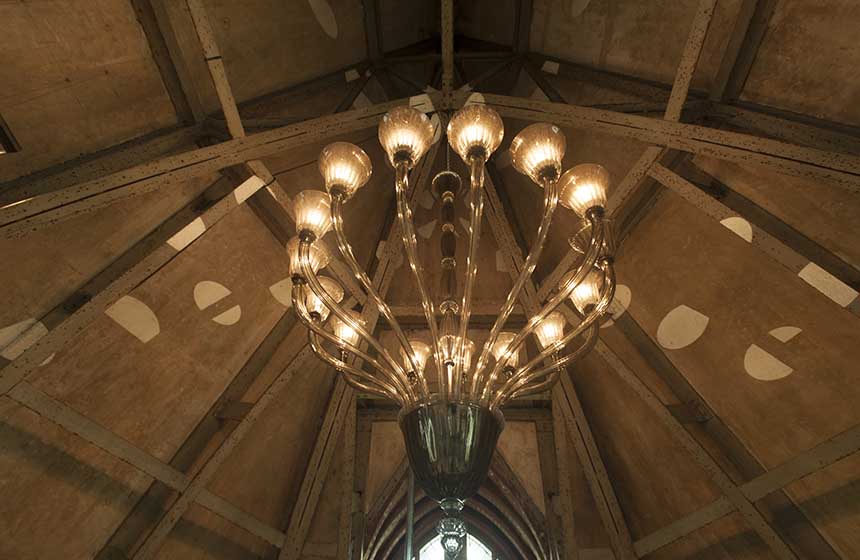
x,y
583,187
344,167
537,151
405,134
313,212
318,256
315,305
551,329
475,130
500,350
450,344
421,351
344,331
588,291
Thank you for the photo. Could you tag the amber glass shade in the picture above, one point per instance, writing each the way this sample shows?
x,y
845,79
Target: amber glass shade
x,y
450,346
475,130
583,187
344,166
421,350
537,151
500,349
344,331
550,329
405,134
315,304
313,212
587,292
318,256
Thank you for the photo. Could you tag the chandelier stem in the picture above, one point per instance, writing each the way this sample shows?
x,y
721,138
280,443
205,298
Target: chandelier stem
x,y
348,255
549,206
318,290
316,328
410,243
589,260
476,205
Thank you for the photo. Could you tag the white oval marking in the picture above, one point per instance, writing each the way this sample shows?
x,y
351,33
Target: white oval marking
x,y
135,317
17,338
762,365
283,292
828,284
740,227
325,16
207,293
184,237
619,304
681,327
229,317
784,334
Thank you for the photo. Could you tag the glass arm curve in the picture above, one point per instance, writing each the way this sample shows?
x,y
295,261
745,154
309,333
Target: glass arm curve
x,y
549,206
340,313
476,203
360,275
410,244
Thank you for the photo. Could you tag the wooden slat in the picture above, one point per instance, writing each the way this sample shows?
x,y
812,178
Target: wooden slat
x,y
447,16
751,27
689,59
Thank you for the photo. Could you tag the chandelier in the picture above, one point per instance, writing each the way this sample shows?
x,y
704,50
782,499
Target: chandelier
x,y
450,402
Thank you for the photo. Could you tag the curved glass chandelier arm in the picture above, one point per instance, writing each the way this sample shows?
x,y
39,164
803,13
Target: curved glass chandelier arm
x,y
533,386
346,250
315,327
523,375
476,203
410,243
549,206
340,313
589,259
351,373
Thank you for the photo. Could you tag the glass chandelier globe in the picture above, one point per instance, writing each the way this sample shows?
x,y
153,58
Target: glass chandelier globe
x,y
318,255
313,213
405,134
475,131
537,152
345,168
583,187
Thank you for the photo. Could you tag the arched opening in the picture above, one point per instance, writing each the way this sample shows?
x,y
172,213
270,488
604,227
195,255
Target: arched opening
x,y
475,550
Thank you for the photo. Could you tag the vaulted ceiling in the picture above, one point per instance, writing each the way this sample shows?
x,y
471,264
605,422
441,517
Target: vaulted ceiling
x,y
159,399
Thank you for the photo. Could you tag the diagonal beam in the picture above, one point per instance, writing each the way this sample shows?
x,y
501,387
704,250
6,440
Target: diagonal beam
x,y
689,59
447,16
522,25
776,248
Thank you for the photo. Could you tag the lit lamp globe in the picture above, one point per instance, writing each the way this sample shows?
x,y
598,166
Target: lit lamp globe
x,y
316,307
344,331
318,256
313,213
450,345
421,352
475,132
587,292
501,350
345,168
583,187
551,329
537,152
405,134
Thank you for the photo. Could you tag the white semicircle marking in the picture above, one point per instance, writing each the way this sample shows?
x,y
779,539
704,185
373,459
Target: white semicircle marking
x,y
17,338
762,365
476,98
229,317
135,317
283,292
784,334
739,226
325,16
619,304
681,327
207,293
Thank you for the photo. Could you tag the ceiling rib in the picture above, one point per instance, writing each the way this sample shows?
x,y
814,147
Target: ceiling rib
x,y
746,39
689,59
447,16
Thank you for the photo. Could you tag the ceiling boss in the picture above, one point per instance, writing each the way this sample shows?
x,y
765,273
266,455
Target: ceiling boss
x,y
450,394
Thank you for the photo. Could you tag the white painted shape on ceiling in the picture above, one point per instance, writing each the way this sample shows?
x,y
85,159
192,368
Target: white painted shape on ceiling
x,y
282,291
619,304
229,317
784,334
828,284
681,327
325,16
421,103
17,338
539,95
135,317
351,75
475,98
184,237
764,366
550,67
740,227
207,293
244,191
426,231
361,101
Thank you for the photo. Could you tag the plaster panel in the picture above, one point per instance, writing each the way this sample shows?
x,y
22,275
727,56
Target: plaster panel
x,y
386,453
488,20
518,445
